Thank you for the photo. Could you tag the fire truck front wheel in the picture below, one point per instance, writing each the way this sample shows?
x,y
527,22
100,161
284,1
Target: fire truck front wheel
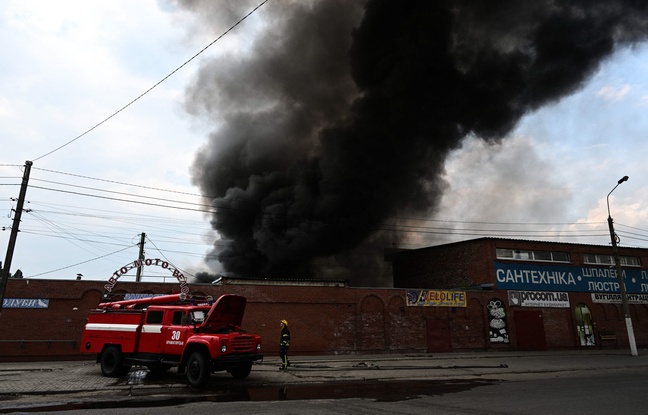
x,y
112,363
198,369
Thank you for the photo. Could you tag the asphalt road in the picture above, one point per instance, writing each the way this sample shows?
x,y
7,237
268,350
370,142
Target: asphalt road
x,y
500,383
610,391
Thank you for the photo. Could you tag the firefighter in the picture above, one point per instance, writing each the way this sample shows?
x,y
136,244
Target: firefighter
x,y
284,345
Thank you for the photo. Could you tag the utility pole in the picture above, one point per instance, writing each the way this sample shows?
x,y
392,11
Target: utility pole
x,y
138,276
14,232
619,272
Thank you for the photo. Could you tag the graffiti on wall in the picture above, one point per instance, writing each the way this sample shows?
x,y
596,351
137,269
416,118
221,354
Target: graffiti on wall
x,y
497,326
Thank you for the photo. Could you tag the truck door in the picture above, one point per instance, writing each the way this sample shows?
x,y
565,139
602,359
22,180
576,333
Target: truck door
x,y
151,335
176,334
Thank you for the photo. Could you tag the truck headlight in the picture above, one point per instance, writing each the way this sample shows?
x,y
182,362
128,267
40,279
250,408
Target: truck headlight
x,y
223,348
258,346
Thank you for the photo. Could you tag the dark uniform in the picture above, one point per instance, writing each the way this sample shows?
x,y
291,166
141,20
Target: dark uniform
x,y
284,345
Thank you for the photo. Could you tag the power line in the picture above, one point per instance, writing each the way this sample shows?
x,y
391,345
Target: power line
x,y
409,219
79,263
123,183
126,200
467,228
385,227
154,86
110,191
66,210
169,261
394,227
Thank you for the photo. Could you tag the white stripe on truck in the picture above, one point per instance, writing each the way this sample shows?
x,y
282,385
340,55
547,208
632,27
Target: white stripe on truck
x,y
111,327
150,328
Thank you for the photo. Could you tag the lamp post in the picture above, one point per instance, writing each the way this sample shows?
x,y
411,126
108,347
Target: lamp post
x,y
619,273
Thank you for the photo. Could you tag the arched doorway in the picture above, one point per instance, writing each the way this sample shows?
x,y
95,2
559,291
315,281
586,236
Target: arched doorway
x,y
584,325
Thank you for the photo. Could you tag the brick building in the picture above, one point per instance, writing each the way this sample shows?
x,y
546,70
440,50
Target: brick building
x,y
44,319
554,295
482,294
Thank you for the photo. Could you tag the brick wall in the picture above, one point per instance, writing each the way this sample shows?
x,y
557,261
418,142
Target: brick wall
x,y
323,320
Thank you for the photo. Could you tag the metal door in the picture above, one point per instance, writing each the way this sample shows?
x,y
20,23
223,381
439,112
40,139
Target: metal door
x,y
439,336
529,330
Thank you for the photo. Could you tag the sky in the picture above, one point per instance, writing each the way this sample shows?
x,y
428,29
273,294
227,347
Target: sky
x,y
69,65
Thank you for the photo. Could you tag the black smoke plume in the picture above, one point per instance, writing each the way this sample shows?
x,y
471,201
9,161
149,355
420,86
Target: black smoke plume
x,y
338,115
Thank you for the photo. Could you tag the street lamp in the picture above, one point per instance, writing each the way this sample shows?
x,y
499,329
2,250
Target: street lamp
x,y
619,272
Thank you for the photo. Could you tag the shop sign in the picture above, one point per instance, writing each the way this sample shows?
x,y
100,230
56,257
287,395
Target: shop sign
x,y
436,298
137,296
538,299
25,303
182,279
523,276
616,298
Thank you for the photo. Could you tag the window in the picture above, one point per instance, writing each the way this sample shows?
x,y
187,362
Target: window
x,y
630,261
560,256
597,259
179,318
154,317
542,256
525,255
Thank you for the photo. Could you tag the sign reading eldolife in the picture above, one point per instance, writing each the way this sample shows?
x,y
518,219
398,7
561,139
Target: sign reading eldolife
x,y
436,298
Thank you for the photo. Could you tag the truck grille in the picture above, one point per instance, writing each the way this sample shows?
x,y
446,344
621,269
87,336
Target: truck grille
x,y
243,344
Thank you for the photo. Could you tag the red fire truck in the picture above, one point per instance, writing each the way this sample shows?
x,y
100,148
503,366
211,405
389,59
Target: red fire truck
x,y
197,335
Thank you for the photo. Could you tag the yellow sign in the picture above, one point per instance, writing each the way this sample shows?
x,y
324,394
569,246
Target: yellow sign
x,y
436,298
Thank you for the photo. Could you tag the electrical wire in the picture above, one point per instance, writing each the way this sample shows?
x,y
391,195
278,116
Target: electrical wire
x,y
385,227
205,210
167,259
111,191
396,228
79,263
154,86
116,182
441,229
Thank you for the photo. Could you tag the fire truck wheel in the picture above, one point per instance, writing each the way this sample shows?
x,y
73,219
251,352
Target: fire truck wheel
x,y
198,369
242,371
112,363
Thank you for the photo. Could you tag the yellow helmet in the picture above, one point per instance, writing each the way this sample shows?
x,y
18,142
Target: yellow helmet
x,y
284,322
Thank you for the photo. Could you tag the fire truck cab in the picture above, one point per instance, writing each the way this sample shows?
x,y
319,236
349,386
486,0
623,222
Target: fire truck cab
x,y
197,335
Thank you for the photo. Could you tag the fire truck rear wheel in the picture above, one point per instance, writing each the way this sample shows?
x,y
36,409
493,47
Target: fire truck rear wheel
x,y
112,363
198,369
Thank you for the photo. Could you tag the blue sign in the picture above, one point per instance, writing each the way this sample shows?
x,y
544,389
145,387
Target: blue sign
x,y
511,276
25,303
129,296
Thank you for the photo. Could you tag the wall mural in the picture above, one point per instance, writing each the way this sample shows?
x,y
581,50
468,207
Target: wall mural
x,y
498,329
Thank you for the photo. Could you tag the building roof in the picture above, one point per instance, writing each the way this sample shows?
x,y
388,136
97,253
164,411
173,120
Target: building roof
x,y
281,281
